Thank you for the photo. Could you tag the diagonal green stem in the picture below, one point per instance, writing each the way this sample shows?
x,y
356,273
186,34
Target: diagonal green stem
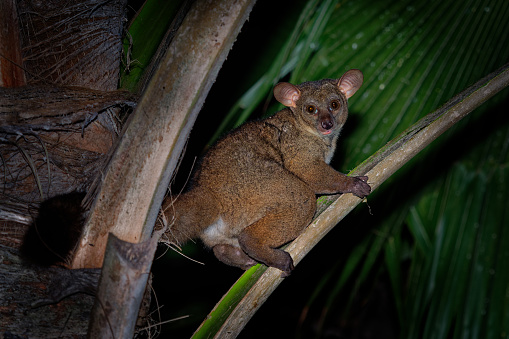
x,y
237,307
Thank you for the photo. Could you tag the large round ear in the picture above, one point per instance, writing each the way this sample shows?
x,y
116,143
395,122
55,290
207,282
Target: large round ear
x,y
287,94
350,82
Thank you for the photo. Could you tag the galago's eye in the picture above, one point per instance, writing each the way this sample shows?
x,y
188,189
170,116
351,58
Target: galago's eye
x,y
310,109
334,104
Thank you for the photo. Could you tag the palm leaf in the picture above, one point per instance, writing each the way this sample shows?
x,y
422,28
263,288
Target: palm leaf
x,y
415,55
239,307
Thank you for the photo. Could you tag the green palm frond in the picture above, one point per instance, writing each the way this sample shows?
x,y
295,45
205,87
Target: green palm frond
x,y
441,238
438,235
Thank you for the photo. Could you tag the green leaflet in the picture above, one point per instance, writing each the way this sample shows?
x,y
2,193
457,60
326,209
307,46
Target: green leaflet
x,y
415,55
143,38
437,234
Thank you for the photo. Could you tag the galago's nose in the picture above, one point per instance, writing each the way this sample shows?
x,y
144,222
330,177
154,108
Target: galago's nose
x,y
327,123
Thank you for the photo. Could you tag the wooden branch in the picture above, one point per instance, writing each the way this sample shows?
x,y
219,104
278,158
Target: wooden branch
x,y
378,168
134,184
121,288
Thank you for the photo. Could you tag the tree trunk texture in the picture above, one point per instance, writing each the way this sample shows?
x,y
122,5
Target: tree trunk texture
x,y
55,135
77,43
139,172
11,74
137,177
59,135
29,296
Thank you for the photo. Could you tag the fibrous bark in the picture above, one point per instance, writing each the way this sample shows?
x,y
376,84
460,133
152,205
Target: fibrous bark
x,y
55,135
75,43
50,145
28,306
138,175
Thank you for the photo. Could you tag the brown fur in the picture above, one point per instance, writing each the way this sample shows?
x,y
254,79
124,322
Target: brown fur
x,y
56,230
255,190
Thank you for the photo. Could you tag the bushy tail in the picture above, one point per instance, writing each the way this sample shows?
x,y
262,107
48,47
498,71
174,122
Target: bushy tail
x,y
189,214
56,230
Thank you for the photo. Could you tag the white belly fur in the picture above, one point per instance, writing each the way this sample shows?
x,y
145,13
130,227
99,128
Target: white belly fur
x,y
218,233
